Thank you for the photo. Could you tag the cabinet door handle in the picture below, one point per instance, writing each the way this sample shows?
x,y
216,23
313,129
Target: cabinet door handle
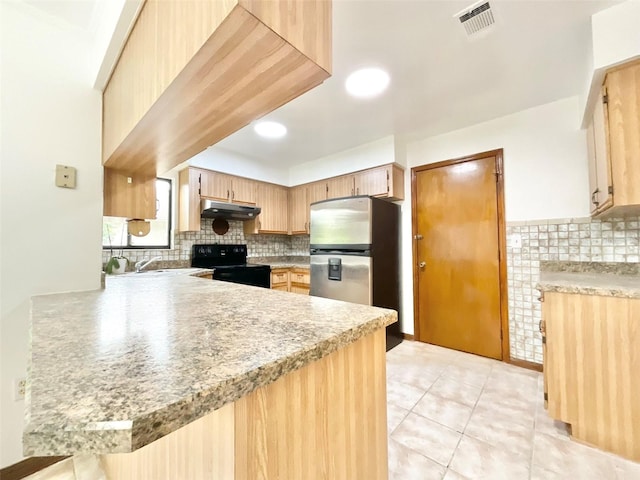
x,y
233,194
593,197
358,191
227,194
541,327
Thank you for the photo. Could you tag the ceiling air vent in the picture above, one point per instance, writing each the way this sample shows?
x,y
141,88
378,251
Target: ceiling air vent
x,y
476,17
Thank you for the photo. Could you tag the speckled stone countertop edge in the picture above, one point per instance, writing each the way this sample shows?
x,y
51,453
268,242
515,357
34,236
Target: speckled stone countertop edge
x,y
283,261
585,290
289,265
600,284
127,436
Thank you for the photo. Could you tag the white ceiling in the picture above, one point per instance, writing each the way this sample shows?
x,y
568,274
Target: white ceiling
x,y
80,14
538,52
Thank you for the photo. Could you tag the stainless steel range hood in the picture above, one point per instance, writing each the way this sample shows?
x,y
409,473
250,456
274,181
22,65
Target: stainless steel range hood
x,y
229,211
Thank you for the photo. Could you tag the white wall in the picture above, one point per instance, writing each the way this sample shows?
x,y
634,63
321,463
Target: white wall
x,y
221,160
616,34
615,40
545,169
50,237
364,156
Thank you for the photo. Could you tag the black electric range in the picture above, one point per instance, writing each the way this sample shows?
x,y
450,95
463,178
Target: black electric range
x,y
230,264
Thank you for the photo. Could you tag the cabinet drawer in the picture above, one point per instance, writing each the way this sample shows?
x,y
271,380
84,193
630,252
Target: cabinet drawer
x,y
301,290
279,276
300,276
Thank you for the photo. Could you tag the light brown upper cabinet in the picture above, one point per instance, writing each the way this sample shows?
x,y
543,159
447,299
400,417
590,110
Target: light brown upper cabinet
x,y
195,183
284,210
129,195
192,73
189,187
228,188
273,201
317,191
613,138
300,200
385,181
338,187
243,190
298,208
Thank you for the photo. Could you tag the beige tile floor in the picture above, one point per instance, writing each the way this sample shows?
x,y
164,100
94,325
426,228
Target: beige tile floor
x,y
457,416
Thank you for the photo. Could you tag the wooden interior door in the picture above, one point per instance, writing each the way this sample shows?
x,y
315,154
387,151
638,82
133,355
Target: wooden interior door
x,y
459,287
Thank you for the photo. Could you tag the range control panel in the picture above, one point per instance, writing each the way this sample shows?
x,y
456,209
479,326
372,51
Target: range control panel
x,y
208,255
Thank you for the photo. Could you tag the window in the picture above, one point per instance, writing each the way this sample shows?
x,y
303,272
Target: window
x,y
114,229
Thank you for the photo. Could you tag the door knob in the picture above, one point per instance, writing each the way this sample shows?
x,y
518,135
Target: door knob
x,y
422,264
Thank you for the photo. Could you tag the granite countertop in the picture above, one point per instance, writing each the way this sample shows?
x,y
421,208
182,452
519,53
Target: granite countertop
x,y
166,272
289,265
282,262
590,283
115,369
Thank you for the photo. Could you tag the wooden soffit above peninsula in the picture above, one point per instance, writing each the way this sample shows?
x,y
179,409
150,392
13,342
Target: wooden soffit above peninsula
x,y
192,73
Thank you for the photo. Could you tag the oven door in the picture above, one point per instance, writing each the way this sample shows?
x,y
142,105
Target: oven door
x,y
256,276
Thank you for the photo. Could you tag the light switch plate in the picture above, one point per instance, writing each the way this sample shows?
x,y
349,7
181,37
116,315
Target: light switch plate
x,y
65,176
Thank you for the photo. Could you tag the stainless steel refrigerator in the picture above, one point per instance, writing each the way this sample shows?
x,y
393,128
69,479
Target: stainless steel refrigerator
x,y
355,254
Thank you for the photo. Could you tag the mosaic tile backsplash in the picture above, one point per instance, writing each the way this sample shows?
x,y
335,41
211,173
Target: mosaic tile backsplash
x,y
257,245
577,240
528,244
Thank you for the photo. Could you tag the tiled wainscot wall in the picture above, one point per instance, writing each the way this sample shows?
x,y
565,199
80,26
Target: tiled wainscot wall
x,y
578,239
257,245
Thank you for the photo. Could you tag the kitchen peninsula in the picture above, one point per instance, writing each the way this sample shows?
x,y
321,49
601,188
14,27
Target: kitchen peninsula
x,y
183,377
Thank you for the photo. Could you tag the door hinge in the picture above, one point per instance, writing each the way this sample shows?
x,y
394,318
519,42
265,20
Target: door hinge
x,y
546,396
610,189
501,334
544,339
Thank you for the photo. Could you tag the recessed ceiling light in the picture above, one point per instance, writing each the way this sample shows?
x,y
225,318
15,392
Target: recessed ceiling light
x,y
270,129
367,82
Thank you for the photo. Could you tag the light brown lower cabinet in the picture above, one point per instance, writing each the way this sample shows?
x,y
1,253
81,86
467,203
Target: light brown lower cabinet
x,y
294,280
592,365
299,280
326,420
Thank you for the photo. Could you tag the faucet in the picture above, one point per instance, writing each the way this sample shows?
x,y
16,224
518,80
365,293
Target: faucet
x,y
142,264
